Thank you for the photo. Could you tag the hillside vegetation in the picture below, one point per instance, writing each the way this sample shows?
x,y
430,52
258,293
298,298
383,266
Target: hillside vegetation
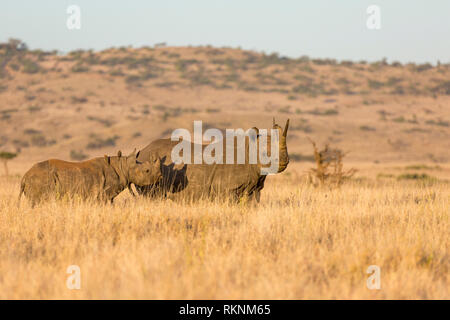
x,y
86,103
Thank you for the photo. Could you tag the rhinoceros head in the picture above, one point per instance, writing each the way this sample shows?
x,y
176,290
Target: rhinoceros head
x,y
142,173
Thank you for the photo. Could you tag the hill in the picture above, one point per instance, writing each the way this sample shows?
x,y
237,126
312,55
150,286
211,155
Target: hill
x,y
85,103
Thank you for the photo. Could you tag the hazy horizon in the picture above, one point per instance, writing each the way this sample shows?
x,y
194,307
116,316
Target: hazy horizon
x,y
411,31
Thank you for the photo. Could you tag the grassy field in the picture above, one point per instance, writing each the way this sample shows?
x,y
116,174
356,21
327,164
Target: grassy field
x,y
299,242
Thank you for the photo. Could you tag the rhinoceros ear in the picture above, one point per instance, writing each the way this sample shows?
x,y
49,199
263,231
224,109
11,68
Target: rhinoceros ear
x,y
119,154
133,153
107,159
255,136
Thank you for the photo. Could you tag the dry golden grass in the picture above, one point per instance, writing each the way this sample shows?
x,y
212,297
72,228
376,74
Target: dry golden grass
x,y
299,243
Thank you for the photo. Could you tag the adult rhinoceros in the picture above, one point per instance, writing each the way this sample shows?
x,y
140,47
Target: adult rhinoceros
x,y
194,181
99,178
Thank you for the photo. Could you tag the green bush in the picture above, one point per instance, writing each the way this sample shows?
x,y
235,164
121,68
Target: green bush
x,y
98,143
78,155
366,128
79,68
415,176
30,66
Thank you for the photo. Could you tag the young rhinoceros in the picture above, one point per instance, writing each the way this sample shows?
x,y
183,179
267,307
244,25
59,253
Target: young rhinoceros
x,y
99,179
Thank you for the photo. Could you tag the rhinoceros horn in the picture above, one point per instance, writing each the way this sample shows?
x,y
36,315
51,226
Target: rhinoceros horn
x,y
283,153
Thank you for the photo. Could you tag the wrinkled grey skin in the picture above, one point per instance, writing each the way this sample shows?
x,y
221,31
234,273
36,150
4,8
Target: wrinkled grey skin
x,y
195,181
100,179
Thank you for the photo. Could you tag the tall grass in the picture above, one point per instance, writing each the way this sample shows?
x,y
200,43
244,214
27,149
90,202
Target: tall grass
x,y
299,242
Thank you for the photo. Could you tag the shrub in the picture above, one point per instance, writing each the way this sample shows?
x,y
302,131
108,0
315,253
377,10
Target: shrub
x,y
392,81
182,65
5,157
137,79
79,68
398,90
415,176
307,68
329,167
106,122
286,109
400,119
133,79
441,88
75,99
77,155
347,63
438,122
116,73
384,175
199,78
98,143
366,128
292,97
20,143
34,108
423,67
32,131
160,107
324,61
422,167
374,84
165,84
30,97
145,109
327,112
297,157
39,140
7,112
30,66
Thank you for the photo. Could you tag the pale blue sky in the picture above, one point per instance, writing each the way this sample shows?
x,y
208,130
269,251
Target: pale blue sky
x,y
414,30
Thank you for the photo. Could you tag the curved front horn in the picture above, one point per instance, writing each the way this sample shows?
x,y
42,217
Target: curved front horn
x,y
286,128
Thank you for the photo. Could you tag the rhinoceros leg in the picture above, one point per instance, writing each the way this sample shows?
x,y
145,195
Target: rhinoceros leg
x,y
103,195
256,196
152,191
131,190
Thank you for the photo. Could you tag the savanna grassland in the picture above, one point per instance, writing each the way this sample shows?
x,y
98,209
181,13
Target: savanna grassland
x,y
300,242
